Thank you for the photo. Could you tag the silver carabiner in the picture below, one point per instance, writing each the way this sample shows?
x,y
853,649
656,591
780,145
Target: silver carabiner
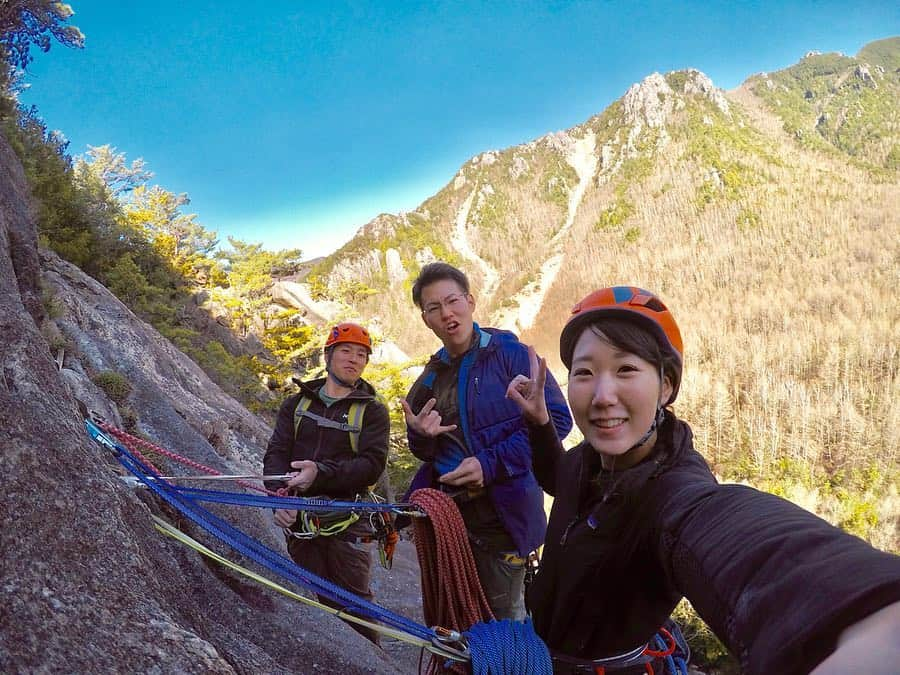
x,y
450,644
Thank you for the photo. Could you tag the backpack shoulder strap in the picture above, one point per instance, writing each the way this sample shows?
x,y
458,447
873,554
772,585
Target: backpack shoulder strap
x,y
354,419
302,407
353,426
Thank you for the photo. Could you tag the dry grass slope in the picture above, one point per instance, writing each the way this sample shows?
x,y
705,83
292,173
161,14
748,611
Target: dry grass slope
x,y
779,256
790,318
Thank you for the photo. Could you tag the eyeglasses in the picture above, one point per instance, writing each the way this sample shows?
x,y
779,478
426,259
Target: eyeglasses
x,y
453,302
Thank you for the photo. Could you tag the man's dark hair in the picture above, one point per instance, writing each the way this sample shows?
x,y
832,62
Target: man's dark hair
x,y
437,271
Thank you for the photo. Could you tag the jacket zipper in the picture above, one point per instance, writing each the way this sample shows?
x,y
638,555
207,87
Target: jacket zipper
x,y
562,541
565,535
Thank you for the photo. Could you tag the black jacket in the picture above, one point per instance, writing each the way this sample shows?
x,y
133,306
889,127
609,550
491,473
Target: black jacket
x,y
775,583
342,473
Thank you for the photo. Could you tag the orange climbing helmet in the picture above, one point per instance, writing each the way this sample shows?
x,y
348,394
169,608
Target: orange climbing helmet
x,y
349,332
631,303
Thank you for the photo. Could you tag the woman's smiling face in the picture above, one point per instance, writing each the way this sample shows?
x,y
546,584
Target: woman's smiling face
x,y
614,396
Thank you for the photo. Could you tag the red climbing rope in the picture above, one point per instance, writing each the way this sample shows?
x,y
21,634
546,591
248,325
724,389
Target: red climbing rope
x,y
134,444
452,596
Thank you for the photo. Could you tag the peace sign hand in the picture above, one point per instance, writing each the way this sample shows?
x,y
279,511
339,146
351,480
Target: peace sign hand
x,y
427,422
528,392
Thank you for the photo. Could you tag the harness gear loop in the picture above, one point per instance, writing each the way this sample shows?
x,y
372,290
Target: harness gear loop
x,y
316,524
384,532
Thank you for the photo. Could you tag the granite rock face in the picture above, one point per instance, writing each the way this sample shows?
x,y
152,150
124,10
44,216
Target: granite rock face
x,y
86,583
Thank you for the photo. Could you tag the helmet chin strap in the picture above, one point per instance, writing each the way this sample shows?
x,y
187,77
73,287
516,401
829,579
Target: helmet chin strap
x,y
657,419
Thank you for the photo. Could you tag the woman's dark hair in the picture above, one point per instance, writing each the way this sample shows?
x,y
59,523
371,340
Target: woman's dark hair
x,y
437,271
631,336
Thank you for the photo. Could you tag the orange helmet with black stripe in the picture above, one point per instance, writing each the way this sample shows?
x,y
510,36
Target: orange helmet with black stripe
x,y
633,304
348,332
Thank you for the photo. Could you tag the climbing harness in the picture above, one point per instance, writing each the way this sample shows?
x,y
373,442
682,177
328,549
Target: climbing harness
x,y
310,524
668,648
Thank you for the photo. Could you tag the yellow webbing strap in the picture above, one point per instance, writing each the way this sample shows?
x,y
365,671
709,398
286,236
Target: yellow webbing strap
x,y
354,419
169,530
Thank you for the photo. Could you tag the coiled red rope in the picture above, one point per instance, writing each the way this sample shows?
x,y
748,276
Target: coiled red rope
x,y
452,596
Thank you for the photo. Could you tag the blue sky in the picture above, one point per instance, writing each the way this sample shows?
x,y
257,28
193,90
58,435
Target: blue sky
x,y
296,125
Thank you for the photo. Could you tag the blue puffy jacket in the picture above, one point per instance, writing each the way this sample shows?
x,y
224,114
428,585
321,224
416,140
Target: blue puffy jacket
x,y
494,429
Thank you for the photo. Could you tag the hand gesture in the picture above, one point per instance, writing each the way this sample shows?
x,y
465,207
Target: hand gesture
x,y
528,392
427,422
468,474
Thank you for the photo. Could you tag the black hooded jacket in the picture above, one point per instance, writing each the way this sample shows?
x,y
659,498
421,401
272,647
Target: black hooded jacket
x,y
776,583
341,472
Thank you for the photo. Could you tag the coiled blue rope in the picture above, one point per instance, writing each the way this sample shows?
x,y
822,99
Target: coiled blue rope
x,y
507,647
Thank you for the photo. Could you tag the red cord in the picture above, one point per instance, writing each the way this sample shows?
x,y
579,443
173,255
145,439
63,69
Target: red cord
x,y
133,443
668,651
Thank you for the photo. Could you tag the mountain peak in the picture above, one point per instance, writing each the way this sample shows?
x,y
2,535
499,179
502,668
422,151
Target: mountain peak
x,y
648,101
652,100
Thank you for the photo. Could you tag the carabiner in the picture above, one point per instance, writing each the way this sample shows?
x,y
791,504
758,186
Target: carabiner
x,y
450,644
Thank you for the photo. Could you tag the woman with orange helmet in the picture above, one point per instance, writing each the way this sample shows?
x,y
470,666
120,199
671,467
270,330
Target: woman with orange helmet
x,y
639,521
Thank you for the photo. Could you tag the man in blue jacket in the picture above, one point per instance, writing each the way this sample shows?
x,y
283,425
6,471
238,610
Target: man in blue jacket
x,y
472,438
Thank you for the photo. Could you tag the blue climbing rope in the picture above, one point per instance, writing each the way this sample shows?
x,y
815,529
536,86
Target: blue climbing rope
x,y
675,663
274,502
253,549
502,647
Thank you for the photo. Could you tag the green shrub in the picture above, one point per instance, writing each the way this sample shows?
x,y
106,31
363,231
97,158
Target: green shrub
x,y
614,216
892,161
114,385
53,306
748,219
129,418
632,234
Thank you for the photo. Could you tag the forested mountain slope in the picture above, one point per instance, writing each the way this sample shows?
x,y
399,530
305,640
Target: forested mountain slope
x,y
766,217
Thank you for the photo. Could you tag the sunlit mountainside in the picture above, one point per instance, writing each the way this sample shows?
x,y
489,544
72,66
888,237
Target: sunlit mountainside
x,y
768,219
